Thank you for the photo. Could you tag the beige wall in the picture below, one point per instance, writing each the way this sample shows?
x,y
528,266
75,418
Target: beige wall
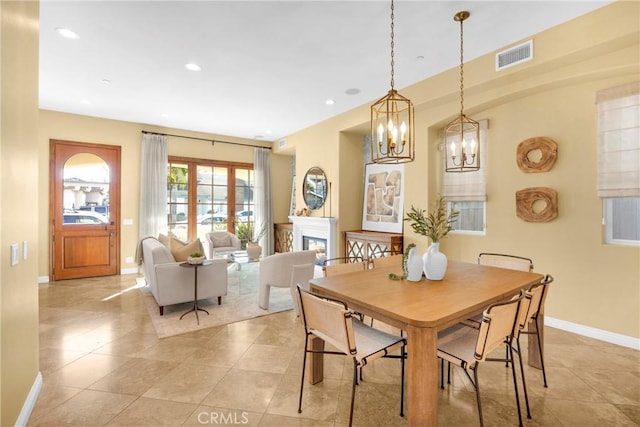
x,y
18,198
553,95
71,127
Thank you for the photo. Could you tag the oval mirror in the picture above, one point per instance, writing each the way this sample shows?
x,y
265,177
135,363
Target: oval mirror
x,y
314,188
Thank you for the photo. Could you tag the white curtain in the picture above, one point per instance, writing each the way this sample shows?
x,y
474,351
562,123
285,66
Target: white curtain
x,y
153,185
263,215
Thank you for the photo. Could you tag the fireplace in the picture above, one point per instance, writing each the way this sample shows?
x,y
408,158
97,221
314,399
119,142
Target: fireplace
x,y
315,231
316,244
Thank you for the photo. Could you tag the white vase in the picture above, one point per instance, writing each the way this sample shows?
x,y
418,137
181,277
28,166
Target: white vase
x,y
254,250
435,262
414,266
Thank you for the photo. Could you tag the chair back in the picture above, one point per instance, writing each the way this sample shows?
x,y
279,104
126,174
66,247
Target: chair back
x,y
538,294
512,262
499,321
328,319
342,265
388,261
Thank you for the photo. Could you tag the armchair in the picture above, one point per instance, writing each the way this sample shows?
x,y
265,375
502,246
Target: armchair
x,y
171,284
222,241
278,270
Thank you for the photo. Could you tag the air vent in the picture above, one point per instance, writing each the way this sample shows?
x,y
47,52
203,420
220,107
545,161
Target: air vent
x,y
282,143
514,56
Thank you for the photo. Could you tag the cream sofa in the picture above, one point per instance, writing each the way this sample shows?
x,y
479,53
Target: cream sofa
x,y
172,284
278,270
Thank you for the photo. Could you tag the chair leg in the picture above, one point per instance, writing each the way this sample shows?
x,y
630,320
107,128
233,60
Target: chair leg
x,y
477,387
353,390
515,382
524,382
442,374
544,374
304,365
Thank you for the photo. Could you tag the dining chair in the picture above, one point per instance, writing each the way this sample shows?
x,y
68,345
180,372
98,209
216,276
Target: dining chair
x,y
342,265
394,260
470,347
512,262
331,321
531,325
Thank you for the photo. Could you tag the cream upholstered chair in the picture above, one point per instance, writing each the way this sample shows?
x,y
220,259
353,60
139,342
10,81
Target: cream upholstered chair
x,y
331,321
222,241
470,347
301,274
277,270
171,284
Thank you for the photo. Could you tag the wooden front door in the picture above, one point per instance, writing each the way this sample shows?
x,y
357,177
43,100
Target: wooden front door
x,y
84,210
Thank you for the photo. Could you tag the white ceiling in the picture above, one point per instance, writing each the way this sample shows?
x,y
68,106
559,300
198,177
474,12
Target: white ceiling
x,y
267,66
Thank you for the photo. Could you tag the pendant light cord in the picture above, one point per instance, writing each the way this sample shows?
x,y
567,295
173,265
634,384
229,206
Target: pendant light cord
x,y
392,36
461,69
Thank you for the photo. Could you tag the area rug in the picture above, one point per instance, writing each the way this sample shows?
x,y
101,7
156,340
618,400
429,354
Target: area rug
x,y
241,303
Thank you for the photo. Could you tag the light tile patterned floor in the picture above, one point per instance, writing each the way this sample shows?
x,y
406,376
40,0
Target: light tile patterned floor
x,y
103,365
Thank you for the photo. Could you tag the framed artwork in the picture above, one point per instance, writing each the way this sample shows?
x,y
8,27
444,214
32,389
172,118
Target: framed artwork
x,y
383,198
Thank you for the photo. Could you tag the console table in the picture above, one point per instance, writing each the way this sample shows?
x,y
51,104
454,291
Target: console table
x,y
371,244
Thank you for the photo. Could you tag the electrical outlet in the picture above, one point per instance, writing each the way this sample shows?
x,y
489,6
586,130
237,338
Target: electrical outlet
x,y
24,249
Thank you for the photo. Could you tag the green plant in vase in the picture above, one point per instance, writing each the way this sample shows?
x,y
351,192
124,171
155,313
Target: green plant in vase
x,y
435,225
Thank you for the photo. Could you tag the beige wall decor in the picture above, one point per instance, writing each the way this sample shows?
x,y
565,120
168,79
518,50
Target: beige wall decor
x,y
530,149
537,204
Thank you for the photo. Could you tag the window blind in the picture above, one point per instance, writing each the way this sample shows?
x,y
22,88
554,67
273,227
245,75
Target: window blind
x,y
619,141
467,186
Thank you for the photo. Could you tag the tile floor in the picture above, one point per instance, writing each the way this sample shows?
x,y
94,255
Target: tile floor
x,y
102,365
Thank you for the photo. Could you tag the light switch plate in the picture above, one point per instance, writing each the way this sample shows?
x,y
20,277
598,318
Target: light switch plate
x,y
24,249
14,254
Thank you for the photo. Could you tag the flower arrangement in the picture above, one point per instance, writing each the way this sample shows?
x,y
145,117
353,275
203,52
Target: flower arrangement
x,y
247,231
436,224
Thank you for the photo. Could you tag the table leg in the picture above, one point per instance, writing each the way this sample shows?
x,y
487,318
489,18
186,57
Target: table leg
x,y
422,376
533,350
316,360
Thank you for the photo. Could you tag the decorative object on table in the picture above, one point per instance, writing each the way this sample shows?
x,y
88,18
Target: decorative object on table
x,y
529,150
392,122
413,264
435,225
196,258
462,135
383,198
537,204
302,212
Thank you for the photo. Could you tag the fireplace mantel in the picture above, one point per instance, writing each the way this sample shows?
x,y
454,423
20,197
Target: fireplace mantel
x,y
320,227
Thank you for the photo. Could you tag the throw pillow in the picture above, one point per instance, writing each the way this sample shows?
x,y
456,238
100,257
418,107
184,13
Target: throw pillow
x,y
221,241
182,251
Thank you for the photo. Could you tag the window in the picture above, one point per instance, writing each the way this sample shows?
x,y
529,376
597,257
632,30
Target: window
x,y
619,162
207,196
466,192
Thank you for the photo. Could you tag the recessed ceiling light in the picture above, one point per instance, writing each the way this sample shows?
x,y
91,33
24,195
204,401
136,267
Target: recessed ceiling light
x,y
165,115
420,58
268,131
352,91
66,33
329,102
192,67
86,102
106,81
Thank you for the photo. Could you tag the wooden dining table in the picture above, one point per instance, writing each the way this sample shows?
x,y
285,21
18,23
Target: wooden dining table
x,y
421,309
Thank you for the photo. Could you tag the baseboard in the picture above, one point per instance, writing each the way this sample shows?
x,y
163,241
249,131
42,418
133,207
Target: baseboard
x,y
598,334
134,270
27,408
